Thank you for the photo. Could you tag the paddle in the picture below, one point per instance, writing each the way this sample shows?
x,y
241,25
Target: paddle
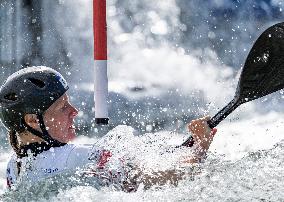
x,y
262,74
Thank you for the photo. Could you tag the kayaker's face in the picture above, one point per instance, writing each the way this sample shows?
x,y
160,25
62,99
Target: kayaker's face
x,y
59,119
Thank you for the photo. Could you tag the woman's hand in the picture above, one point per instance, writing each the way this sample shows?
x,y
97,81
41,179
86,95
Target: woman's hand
x,y
201,133
203,136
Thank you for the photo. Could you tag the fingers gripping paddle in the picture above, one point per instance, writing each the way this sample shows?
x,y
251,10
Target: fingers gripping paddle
x,y
262,74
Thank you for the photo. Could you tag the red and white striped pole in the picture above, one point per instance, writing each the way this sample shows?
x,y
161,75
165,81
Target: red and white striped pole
x,y
100,56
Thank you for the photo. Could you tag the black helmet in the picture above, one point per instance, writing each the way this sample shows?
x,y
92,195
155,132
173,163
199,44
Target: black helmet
x,y
31,90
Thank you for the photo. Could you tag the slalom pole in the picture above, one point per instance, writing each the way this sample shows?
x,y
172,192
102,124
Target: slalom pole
x,y
100,56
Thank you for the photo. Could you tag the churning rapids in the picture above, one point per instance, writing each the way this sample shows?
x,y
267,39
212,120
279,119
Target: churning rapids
x,y
245,165
156,87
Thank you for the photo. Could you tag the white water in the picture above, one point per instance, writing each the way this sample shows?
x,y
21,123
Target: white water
x,y
237,168
246,158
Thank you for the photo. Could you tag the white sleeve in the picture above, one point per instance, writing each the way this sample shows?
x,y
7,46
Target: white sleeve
x,y
11,172
81,155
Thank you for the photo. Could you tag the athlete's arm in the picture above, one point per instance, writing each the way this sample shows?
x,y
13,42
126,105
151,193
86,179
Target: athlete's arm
x,y
203,137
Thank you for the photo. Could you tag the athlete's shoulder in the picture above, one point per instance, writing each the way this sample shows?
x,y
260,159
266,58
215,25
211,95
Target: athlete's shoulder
x,y
61,155
64,151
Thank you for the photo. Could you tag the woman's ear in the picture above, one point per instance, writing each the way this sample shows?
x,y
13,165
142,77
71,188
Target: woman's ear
x,y
32,120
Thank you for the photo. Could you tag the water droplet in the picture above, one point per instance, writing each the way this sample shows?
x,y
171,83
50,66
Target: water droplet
x,y
149,128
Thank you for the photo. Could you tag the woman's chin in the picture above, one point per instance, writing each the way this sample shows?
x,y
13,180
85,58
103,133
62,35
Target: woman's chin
x,y
71,135
66,136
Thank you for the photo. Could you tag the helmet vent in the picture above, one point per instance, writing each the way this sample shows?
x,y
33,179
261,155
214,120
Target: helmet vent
x,y
37,82
11,96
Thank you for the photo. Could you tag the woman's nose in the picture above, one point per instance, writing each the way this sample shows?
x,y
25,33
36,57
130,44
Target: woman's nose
x,y
74,111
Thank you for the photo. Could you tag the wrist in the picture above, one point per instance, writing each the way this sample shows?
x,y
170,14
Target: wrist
x,y
199,153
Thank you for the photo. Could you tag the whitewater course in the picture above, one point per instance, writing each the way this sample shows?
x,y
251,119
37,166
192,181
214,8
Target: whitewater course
x,y
169,62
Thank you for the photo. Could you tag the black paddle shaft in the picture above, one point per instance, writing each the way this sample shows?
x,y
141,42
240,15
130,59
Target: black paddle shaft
x,y
262,74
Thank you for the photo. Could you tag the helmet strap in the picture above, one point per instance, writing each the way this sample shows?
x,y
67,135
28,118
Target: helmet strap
x,y
44,134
